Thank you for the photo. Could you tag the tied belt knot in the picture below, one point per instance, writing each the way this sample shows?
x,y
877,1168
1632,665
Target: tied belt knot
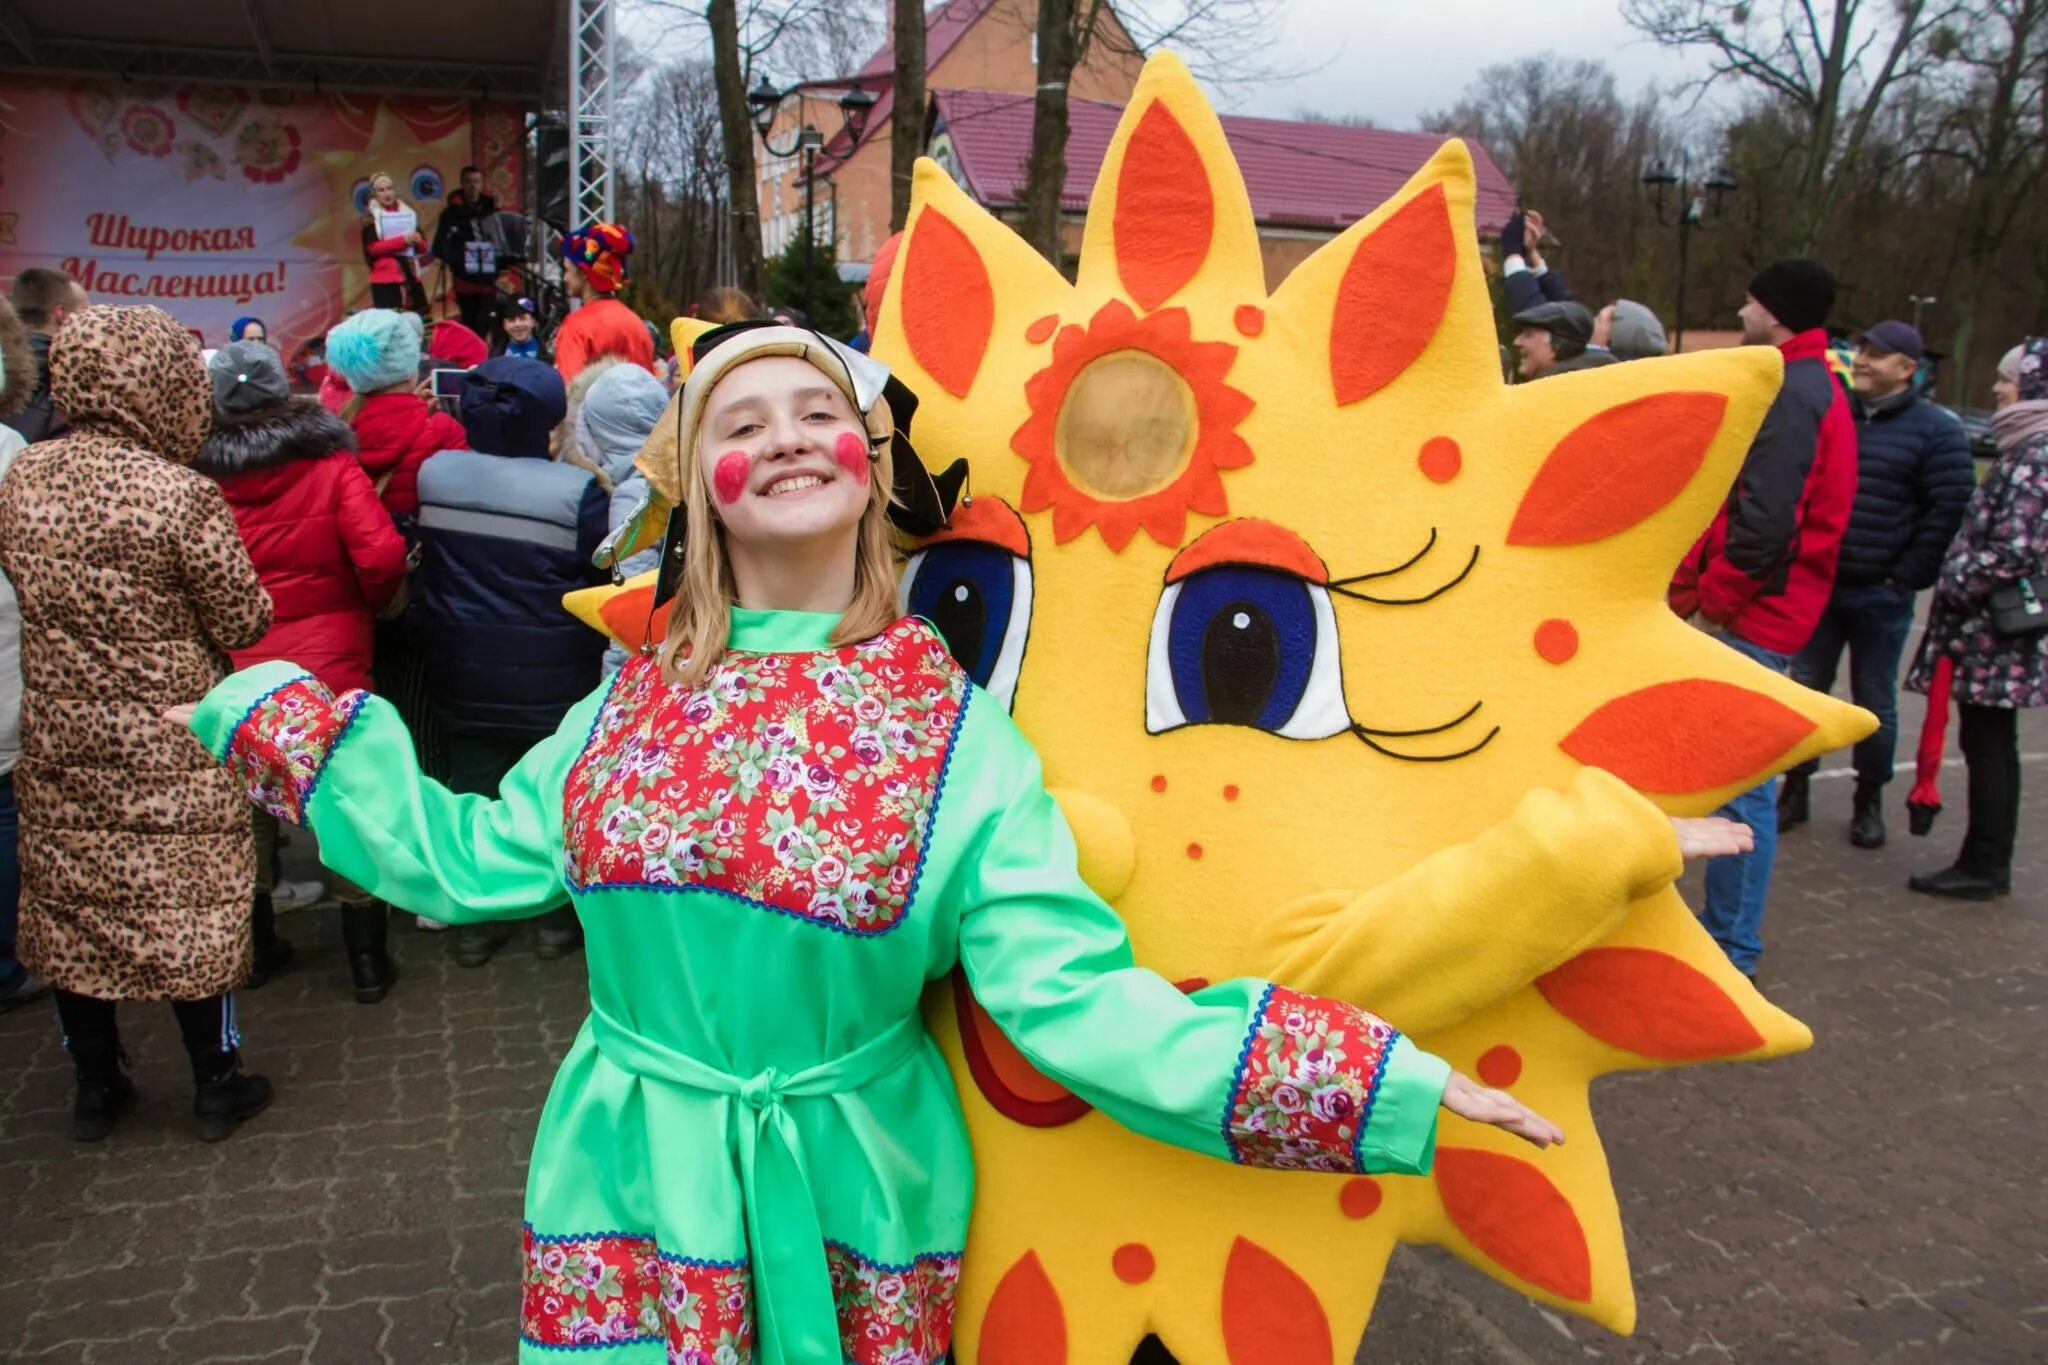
x,y
796,1316
763,1091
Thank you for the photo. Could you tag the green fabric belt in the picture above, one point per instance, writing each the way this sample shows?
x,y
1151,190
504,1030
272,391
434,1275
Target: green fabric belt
x,y
797,1320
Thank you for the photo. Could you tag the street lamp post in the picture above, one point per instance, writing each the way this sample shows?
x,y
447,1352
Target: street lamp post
x,y
1692,211
1920,301
854,106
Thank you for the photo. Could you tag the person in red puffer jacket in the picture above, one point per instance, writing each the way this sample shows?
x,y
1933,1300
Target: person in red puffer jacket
x,y
377,354
1762,574
330,557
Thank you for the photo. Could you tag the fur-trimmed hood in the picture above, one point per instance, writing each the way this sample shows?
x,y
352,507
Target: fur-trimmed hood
x,y
296,429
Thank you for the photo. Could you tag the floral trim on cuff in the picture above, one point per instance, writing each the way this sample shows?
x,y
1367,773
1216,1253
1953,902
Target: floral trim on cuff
x,y
617,1288
893,1314
279,748
1305,1083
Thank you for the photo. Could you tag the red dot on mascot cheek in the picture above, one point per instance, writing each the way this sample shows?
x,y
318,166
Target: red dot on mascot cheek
x,y
852,453
1557,641
1359,1198
1500,1066
729,475
1133,1262
1440,459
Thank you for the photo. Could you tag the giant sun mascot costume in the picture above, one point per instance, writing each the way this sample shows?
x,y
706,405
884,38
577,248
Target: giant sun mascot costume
x,y
1318,628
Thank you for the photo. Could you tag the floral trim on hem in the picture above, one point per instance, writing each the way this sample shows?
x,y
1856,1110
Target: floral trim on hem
x,y
893,1314
1305,1083
617,1288
279,748
802,782
602,1289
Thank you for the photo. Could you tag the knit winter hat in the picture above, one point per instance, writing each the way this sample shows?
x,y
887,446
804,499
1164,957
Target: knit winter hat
x,y
456,345
1800,293
600,252
247,377
511,406
375,349
617,416
1635,334
241,325
2032,375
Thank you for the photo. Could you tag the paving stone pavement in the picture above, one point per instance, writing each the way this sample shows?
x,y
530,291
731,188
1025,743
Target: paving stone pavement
x,y
1881,1198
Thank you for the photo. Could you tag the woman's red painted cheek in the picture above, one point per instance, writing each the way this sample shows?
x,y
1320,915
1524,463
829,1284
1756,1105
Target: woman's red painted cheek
x,y
852,453
729,475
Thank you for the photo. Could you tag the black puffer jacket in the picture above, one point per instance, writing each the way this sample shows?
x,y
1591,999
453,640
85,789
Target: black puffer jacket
x,y
1914,478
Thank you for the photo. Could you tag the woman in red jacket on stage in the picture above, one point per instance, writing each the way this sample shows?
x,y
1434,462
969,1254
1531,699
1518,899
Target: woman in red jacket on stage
x,y
330,557
391,247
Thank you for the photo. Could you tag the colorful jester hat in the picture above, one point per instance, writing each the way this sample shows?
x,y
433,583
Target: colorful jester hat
x,y
1294,596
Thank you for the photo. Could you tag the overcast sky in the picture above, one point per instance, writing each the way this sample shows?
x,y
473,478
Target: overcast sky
x,y
1391,60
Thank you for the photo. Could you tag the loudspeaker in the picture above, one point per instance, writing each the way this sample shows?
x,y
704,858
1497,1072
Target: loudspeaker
x,y
551,173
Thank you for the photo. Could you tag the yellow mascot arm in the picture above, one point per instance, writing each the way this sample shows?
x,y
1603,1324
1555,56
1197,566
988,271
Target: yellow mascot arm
x,y
1467,926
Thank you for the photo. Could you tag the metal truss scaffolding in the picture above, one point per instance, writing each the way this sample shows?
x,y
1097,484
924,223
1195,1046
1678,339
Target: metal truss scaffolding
x,y
593,59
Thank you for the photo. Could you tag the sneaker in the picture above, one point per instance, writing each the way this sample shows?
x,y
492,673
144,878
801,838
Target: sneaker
x,y
432,926
297,895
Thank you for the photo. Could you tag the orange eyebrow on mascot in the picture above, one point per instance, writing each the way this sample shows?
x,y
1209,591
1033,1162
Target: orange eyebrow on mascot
x,y
1338,653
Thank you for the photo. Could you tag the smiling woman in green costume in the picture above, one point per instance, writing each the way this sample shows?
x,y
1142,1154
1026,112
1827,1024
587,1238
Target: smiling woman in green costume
x,y
775,834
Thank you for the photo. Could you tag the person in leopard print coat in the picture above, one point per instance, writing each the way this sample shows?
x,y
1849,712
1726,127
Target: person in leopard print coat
x,y
137,860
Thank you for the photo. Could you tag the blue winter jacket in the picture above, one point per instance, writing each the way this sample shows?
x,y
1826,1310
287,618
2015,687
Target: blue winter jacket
x,y
501,539
1914,478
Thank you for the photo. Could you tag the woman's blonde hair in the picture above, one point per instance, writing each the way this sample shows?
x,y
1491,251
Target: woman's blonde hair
x,y
700,618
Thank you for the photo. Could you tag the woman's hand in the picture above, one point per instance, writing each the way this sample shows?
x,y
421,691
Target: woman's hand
x,y
1468,1099
1712,837
182,715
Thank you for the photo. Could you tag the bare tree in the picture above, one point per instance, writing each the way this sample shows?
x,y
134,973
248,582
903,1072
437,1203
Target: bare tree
x,y
906,128
1996,128
1835,62
811,38
1219,40
729,72
672,167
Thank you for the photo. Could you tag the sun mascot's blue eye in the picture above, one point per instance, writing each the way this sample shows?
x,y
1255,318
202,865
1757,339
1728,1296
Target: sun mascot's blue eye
x,y
1237,645
979,597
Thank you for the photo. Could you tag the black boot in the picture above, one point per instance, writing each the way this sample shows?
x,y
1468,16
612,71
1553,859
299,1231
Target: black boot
x,y
104,1092
273,954
1866,826
558,934
1792,802
363,934
225,1098
471,945
1955,884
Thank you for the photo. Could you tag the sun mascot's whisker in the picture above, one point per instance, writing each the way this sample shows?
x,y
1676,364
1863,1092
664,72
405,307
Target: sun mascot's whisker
x,y
1338,585
1371,735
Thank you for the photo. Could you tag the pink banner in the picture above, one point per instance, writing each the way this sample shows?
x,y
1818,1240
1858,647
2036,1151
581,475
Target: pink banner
x,y
214,203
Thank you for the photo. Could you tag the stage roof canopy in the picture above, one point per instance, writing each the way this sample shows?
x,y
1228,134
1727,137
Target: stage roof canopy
x,y
496,49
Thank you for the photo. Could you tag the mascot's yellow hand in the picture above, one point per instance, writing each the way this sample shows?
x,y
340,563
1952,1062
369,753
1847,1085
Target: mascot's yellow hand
x,y
1468,1099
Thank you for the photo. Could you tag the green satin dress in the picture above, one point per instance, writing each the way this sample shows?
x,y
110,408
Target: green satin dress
x,y
753,1150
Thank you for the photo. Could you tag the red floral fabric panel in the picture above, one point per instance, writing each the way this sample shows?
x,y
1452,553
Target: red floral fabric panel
x,y
804,783
281,744
1305,1083
893,1315
609,1289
